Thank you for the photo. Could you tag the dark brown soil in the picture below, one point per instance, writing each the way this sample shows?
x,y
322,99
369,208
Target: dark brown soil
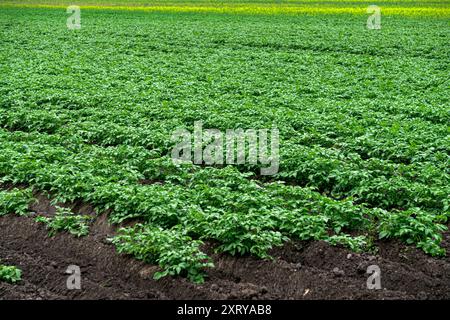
x,y
313,270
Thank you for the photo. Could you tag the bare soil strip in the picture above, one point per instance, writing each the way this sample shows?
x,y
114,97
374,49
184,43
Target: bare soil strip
x,y
313,270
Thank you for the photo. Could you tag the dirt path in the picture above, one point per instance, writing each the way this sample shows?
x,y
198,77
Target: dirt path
x,y
312,270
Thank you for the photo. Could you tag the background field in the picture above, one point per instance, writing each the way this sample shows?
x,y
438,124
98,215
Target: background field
x,y
86,118
405,8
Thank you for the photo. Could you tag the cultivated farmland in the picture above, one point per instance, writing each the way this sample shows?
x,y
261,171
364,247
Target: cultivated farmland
x,y
87,122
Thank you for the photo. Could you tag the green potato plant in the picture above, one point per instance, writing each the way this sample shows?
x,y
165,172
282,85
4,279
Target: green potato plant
x,y
66,221
10,274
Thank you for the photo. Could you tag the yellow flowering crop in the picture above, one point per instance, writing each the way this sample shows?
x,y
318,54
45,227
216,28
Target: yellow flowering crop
x,y
411,9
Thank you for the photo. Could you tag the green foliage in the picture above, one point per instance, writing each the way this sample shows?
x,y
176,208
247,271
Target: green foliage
x,y
66,220
415,227
15,201
172,249
10,274
356,244
244,233
364,133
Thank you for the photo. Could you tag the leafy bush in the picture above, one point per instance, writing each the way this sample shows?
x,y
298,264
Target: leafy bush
x,y
15,201
174,251
242,233
66,220
10,274
414,226
356,244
